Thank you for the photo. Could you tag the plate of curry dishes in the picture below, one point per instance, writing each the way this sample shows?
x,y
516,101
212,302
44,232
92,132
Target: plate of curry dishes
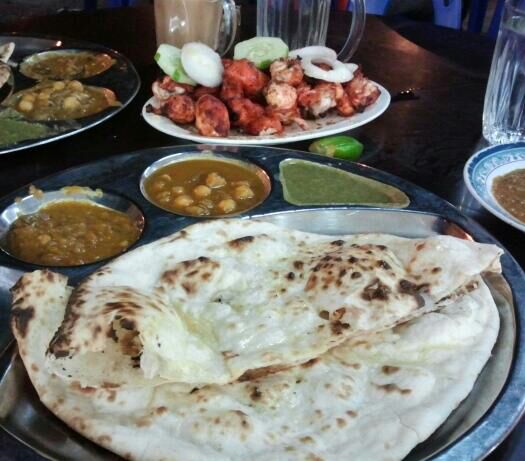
x,y
51,88
227,303
495,176
267,94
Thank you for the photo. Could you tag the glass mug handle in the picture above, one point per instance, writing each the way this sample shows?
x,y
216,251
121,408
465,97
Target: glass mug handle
x,y
229,26
355,33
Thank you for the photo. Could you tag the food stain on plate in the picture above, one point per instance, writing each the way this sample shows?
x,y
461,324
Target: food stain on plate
x,y
15,129
311,183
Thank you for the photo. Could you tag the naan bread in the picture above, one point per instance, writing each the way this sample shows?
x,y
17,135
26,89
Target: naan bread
x,y
229,300
370,398
6,50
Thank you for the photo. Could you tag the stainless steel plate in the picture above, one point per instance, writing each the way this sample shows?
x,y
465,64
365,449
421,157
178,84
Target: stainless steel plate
x,y
122,78
471,432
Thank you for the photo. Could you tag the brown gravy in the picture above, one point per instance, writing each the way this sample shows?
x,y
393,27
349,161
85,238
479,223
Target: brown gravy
x,y
509,192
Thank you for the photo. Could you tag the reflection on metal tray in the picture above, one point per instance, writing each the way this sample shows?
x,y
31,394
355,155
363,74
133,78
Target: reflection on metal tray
x,y
471,431
122,78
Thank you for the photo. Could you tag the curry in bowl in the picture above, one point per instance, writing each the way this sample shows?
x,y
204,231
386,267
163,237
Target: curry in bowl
x,y
207,187
65,65
61,100
69,227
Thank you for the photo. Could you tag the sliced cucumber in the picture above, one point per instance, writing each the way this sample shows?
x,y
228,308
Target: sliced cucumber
x,y
168,58
262,51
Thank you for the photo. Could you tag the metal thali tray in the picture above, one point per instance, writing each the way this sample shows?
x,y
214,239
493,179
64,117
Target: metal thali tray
x,y
471,432
122,78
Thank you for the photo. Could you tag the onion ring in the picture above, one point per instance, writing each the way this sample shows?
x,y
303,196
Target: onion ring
x,y
340,72
313,52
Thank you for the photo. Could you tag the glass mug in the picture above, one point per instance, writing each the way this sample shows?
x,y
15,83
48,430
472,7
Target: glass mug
x,y
504,111
213,22
303,23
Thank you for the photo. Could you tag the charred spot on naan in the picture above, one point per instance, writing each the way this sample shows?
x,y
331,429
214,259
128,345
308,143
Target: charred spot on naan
x,y
376,290
25,292
334,269
60,343
189,274
241,242
21,318
389,370
117,321
392,388
259,373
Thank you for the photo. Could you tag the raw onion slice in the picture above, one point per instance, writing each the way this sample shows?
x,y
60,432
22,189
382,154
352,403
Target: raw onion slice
x,y
340,72
202,64
352,67
313,52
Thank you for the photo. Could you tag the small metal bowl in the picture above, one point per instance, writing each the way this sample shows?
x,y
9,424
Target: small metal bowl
x,y
36,57
37,199
206,155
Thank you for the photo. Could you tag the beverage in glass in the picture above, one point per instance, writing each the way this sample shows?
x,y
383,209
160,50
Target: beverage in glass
x,y
182,21
303,23
504,112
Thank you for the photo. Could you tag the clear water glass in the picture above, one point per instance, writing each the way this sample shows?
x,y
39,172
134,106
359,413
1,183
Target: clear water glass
x,y
303,23
504,111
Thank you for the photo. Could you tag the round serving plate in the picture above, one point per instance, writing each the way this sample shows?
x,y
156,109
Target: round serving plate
x,y
484,166
121,78
324,126
472,431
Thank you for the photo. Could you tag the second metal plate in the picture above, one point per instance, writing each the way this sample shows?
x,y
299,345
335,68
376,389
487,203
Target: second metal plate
x,y
471,432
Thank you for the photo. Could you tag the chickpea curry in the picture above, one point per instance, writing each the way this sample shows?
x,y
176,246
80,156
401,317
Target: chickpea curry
x,y
61,100
71,233
509,191
60,65
205,187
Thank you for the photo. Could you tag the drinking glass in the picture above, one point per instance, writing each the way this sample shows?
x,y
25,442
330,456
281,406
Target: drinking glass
x,y
213,22
504,111
303,23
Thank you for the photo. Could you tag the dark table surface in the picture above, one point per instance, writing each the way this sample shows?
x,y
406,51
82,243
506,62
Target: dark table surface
x,y
426,139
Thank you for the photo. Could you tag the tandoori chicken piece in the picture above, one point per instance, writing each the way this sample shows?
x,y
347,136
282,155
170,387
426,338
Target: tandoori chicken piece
x,y
287,71
280,95
287,116
178,108
244,72
245,111
264,126
164,88
231,89
202,90
344,106
211,117
282,103
321,98
361,91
